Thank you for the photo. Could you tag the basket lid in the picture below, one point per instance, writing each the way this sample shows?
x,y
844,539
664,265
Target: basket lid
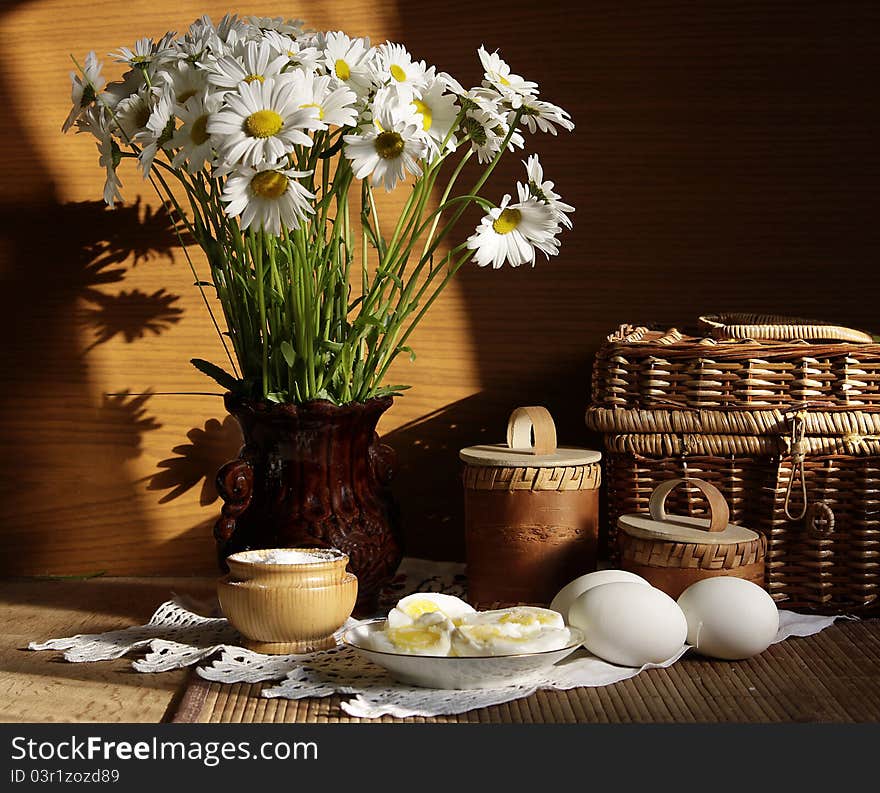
x,y
531,443
657,525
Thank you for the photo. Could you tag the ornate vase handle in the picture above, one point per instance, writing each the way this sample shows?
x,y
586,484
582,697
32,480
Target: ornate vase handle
x,y
235,484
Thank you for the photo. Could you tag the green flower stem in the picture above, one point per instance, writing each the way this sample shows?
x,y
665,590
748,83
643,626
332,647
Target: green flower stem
x,y
449,185
383,370
256,252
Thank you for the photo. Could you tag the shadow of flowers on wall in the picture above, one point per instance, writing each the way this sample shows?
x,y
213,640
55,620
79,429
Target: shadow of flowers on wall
x,y
198,461
125,420
131,315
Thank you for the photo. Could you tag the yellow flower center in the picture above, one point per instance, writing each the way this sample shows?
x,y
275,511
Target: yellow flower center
x,y
185,95
341,69
251,77
269,184
389,145
503,80
397,73
199,131
313,104
427,118
507,221
263,124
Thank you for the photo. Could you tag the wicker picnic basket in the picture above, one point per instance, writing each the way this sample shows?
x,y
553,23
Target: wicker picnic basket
x,y
782,416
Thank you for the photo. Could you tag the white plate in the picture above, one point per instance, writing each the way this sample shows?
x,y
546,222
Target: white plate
x,y
433,671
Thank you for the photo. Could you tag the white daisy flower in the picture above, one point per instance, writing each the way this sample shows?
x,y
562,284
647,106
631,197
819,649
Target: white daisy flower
x,y
438,111
253,62
390,147
231,30
261,122
84,89
486,131
96,120
267,197
157,131
498,76
336,105
300,56
201,39
110,157
348,60
185,81
392,63
544,116
132,82
192,139
513,233
451,83
132,114
146,54
542,191
289,27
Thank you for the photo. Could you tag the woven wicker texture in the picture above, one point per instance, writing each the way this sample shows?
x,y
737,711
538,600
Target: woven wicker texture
x,y
850,425
641,368
830,677
701,556
578,477
807,566
780,328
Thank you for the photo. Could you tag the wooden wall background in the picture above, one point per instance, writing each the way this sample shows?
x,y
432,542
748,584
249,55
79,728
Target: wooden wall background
x,y
725,158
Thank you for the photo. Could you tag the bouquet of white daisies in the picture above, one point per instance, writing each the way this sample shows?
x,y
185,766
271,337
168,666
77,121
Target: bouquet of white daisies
x,y
261,136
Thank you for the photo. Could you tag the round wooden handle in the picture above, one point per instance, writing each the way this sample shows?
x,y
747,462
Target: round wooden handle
x,y
719,512
526,422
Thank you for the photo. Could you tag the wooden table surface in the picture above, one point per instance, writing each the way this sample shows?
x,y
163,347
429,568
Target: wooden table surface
x,y
831,677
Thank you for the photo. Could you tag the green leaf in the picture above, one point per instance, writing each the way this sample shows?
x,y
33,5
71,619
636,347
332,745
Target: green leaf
x,y
288,352
394,277
390,390
220,376
368,319
410,350
276,396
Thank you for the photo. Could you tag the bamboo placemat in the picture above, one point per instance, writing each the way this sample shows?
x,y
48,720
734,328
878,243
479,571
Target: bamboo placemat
x,y
833,676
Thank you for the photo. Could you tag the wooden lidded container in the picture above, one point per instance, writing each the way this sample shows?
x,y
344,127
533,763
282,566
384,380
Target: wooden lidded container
x,y
673,552
531,513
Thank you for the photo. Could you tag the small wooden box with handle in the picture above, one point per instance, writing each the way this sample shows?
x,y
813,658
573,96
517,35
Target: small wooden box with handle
x,y
531,513
673,552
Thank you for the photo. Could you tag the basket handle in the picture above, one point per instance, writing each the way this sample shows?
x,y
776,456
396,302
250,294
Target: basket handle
x,y
776,328
719,512
526,423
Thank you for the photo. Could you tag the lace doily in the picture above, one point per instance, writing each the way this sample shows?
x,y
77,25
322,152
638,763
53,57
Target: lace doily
x,y
176,636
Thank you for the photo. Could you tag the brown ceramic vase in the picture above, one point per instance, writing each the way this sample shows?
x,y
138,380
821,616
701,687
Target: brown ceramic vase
x,y
312,475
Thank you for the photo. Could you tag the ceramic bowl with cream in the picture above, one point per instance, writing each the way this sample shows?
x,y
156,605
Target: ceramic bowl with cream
x,y
288,600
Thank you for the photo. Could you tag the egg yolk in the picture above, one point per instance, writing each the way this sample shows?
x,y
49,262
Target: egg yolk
x,y
416,608
414,637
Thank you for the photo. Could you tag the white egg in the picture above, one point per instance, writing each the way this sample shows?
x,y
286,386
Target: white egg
x,y
429,634
410,608
569,593
510,631
729,617
628,623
